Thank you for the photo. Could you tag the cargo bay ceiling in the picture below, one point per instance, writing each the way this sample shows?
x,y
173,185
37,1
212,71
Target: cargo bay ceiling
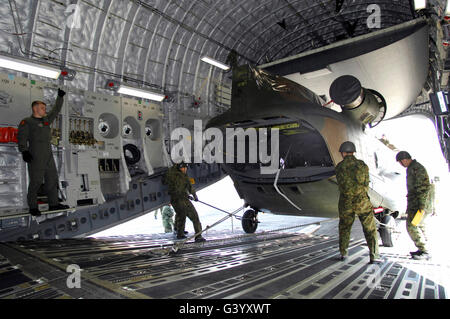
x,y
157,44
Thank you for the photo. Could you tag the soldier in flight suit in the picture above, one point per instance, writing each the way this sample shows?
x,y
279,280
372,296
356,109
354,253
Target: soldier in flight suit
x,y
418,185
179,189
353,180
34,136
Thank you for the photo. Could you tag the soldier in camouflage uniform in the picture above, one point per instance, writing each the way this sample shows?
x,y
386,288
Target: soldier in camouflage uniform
x,y
179,189
353,180
418,185
167,214
34,136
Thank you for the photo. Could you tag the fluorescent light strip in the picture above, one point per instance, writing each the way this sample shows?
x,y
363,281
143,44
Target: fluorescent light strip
x,y
420,4
28,67
442,103
123,89
215,63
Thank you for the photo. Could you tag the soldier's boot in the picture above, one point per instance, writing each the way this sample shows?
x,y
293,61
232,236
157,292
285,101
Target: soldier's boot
x,y
417,252
422,256
176,232
181,237
343,257
199,239
35,212
375,260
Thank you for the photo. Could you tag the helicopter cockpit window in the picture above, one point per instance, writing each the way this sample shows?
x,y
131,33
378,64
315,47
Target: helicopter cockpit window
x,y
303,146
300,145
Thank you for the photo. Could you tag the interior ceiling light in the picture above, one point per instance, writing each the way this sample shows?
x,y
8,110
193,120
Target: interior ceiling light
x,y
420,4
128,90
215,63
29,67
442,102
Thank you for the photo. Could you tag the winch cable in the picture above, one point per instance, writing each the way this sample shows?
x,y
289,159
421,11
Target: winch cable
x,y
224,211
276,181
279,192
176,246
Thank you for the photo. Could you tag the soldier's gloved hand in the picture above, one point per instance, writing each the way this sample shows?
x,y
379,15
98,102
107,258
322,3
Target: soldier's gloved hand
x,y
27,157
193,197
61,93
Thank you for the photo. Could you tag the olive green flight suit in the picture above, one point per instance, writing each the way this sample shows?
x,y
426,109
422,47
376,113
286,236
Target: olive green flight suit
x,y
179,189
353,181
418,185
34,135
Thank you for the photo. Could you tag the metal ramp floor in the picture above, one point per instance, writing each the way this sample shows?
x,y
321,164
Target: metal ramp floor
x,y
288,265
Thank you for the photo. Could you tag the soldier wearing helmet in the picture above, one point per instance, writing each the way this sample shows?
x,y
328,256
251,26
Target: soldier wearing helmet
x,y
402,155
180,187
418,186
353,181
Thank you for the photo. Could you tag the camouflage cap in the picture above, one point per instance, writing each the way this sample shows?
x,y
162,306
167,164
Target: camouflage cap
x,y
402,155
347,147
